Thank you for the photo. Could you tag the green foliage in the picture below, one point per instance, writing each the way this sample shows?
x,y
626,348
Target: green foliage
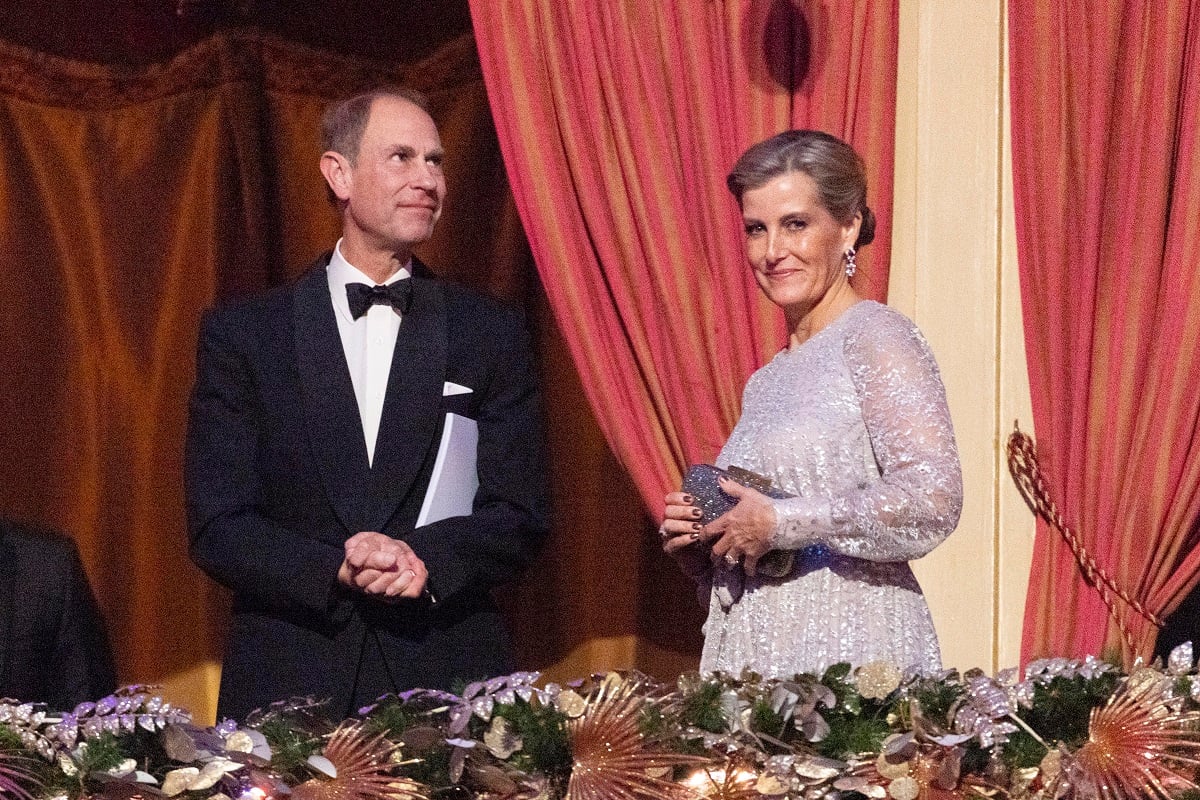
x,y
1022,750
763,719
1060,713
105,752
975,759
936,698
856,724
10,740
845,693
391,719
101,754
290,746
851,733
651,723
702,710
543,732
432,769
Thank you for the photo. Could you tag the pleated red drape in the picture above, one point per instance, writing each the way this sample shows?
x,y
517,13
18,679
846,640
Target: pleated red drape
x,y
618,122
1106,166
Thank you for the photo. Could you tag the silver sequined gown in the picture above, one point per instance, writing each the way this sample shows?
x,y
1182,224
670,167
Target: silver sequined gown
x,y
854,423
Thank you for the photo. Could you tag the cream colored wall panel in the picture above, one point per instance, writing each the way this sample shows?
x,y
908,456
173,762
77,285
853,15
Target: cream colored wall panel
x,y
947,272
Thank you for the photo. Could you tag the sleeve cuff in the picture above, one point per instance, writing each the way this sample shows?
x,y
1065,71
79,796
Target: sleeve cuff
x,y
799,522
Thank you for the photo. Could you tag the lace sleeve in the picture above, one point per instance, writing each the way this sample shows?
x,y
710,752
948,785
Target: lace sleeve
x,y
916,501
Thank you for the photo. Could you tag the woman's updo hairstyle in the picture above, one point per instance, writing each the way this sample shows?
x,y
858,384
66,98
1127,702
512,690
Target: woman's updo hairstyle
x,y
832,164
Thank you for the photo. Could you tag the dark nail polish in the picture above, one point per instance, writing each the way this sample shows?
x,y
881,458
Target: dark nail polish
x,y
697,513
688,499
697,527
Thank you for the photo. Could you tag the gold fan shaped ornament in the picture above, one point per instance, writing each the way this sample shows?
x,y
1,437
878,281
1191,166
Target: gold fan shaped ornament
x,y
612,758
363,769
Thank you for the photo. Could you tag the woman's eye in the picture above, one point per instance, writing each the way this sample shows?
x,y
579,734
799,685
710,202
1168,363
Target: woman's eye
x,y
795,225
754,228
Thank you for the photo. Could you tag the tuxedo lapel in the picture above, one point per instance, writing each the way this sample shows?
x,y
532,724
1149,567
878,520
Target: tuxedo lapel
x,y
330,410
412,408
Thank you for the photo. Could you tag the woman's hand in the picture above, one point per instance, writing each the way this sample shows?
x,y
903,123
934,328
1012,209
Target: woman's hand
x,y
680,532
743,532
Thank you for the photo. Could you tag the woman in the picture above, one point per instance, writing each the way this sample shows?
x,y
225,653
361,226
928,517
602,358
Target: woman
x,y
850,418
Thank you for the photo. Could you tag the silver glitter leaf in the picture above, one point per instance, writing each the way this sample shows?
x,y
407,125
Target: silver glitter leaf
x,y
815,768
483,707
1180,661
459,717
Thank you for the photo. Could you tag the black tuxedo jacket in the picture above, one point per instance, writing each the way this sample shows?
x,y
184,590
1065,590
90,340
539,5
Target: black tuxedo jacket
x,y
53,647
277,479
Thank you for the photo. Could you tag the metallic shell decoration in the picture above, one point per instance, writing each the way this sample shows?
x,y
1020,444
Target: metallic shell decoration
x,y
816,769
178,780
905,788
814,727
1022,779
571,703
1051,765
891,768
322,765
861,786
493,779
501,738
126,767
239,742
67,765
212,772
179,745
770,785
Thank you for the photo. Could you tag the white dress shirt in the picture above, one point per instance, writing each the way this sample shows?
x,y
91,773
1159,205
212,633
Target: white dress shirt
x,y
368,342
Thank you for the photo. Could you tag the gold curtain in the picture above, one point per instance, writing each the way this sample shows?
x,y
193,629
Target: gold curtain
x,y
133,199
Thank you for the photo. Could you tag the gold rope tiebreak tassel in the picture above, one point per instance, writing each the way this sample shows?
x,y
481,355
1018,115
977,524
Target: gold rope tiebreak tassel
x,y
1023,465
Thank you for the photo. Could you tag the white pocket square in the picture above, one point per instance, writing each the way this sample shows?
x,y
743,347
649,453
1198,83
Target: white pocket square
x,y
449,388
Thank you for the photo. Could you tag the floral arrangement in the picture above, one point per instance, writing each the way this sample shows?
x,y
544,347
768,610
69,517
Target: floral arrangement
x,y
1063,729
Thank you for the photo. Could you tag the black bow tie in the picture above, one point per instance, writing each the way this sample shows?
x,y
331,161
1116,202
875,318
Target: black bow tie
x,y
398,295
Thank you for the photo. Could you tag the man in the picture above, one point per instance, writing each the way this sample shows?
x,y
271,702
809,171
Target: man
x,y
314,427
53,648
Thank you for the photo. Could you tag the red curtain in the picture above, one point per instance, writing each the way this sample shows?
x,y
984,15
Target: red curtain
x,y
618,122
1106,167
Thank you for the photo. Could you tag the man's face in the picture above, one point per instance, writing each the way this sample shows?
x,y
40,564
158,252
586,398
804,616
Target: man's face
x,y
395,187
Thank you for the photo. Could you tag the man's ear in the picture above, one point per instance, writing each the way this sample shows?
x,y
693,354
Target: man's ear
x,y
336,170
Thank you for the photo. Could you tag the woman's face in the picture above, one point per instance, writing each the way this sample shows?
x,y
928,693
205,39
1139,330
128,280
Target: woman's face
x,y
793,243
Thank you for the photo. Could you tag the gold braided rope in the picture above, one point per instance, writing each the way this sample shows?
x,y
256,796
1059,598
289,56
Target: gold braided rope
x,y
1023,465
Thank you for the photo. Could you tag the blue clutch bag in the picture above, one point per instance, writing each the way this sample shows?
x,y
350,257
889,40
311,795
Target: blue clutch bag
x,y
700,482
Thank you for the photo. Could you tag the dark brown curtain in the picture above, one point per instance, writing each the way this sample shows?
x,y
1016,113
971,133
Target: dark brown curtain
x,y
130,201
